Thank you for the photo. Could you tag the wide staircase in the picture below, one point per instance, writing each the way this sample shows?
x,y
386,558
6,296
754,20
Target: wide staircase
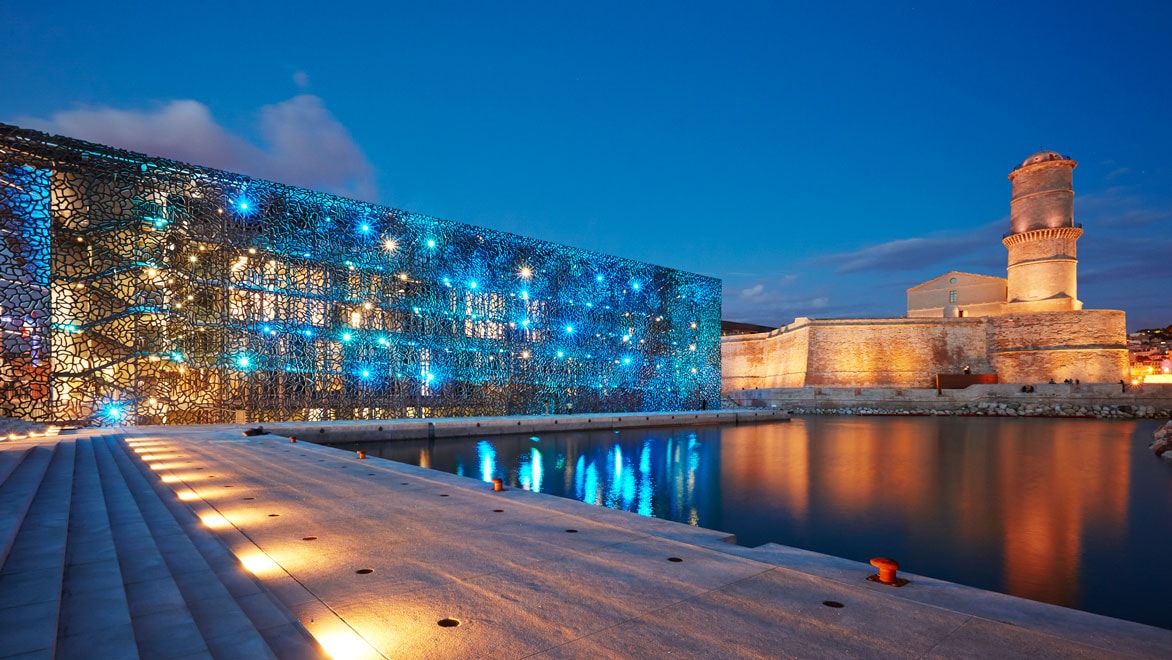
x,y
99,560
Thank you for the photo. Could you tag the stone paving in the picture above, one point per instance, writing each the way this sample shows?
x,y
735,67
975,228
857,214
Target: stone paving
x,y
377,559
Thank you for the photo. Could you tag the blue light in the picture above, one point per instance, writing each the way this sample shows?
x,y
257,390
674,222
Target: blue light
x,y
114,412
524,295
346,336
365,228
598,277
365,373
177,356
243,361
430,243
447,282
264,328
561,354
525,323
243,205
626,360
382,341
307,333
635,286
472,284
569,329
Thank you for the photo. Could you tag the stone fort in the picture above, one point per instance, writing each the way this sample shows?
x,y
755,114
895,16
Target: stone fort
x,y
1027,327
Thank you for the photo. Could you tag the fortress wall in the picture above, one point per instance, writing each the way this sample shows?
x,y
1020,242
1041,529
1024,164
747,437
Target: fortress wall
x,y
854,353
1088,345
765,360
893,352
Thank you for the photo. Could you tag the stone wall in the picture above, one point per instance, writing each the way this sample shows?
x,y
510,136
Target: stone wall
x,y
854,353
1088,345
772,359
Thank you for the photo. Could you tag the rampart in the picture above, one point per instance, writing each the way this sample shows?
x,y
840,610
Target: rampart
x,y
1087,345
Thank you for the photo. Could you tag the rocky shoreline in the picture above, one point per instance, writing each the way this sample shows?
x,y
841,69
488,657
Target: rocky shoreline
x,y
1015,409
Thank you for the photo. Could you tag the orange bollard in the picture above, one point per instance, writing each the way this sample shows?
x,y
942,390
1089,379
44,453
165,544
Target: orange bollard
x,y
498,484
292,439
887,568
361,455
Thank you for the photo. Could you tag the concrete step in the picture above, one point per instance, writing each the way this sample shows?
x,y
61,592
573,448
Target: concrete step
x,y
10,457
163,625
95,616
30,578
233,611
17,493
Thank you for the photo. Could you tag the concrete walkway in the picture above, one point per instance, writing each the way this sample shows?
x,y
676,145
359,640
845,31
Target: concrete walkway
x,y
380,559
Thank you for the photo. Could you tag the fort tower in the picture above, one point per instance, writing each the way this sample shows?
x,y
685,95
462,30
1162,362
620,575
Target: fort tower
x,y
1043,262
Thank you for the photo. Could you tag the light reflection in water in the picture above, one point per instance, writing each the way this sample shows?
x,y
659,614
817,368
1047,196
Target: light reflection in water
x,y
1035,508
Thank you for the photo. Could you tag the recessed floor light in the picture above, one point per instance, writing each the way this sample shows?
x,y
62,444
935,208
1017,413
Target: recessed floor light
x,y
674,559
832,603
448,623
364,571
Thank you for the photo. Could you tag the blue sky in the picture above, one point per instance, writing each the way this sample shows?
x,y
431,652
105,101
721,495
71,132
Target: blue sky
x,y
819,158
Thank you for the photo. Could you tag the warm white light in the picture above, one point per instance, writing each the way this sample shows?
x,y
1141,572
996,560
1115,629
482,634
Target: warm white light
x,y
214,521
526,272
342,643
259,563
390,245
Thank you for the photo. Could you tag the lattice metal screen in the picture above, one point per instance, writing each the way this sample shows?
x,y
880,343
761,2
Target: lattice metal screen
x,y
140,290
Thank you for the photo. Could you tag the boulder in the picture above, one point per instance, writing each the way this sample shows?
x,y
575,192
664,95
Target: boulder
x,y
1163,441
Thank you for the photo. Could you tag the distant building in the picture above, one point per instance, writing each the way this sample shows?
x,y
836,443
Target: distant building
x,y
141,290
1027,327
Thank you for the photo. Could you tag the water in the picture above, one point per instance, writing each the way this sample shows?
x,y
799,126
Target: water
x,y
1072,512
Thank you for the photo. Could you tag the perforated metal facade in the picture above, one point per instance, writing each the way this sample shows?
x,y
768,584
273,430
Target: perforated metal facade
x,y
141,290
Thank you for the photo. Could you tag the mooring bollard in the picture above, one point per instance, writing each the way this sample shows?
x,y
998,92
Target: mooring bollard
x,y
361,455
292,439
498,484
887,568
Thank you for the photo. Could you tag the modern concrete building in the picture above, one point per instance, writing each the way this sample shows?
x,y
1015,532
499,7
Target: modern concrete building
x,y
1027,327
138,289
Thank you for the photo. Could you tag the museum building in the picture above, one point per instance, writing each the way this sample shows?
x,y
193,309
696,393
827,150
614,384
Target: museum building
x,y
136,289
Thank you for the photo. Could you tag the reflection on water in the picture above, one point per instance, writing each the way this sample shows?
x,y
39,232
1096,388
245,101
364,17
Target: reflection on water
x,y
1071,512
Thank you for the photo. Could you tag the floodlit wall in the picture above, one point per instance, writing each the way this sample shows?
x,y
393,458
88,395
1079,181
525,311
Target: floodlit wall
x,y
182,294
1087,345
855,353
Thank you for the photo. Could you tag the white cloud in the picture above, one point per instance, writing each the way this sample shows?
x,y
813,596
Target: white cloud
x,y
304,144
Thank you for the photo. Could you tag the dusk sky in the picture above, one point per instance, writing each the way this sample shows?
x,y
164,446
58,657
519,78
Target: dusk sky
x,y
819,158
